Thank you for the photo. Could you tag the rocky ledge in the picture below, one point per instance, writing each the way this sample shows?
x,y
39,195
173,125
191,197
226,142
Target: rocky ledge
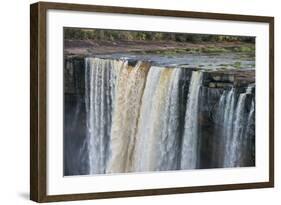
x,y
74,72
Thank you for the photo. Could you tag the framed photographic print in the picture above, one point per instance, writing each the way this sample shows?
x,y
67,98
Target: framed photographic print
x,y
134,102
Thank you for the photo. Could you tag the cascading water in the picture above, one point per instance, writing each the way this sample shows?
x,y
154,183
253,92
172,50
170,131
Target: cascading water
x,y
129,92
227,131
238,132
190,138
158,123
234,123
240,140
137,120
99,94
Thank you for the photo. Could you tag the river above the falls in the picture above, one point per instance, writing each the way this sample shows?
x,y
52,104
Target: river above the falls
x,y
214,61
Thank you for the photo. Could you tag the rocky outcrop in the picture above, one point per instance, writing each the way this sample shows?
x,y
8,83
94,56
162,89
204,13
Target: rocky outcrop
x,y
229,78
74,76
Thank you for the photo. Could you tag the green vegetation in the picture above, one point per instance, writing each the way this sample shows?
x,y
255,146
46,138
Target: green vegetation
x,y
210,50
237,64
111,35
244,49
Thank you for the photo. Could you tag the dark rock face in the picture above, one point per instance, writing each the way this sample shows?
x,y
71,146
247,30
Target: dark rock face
x,y
212,143
209,100
229,78
75,152
74,76
212,140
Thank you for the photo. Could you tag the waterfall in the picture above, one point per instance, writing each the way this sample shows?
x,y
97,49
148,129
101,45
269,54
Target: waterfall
x,y
238,132
251,117
227,130
241,140
129,92
233,127
249,148
190,138
99,94
148,118
158,124
220,131
144,141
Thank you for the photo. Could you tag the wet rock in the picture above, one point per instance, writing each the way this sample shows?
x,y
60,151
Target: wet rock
x,y
74,72
217,78
212,85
